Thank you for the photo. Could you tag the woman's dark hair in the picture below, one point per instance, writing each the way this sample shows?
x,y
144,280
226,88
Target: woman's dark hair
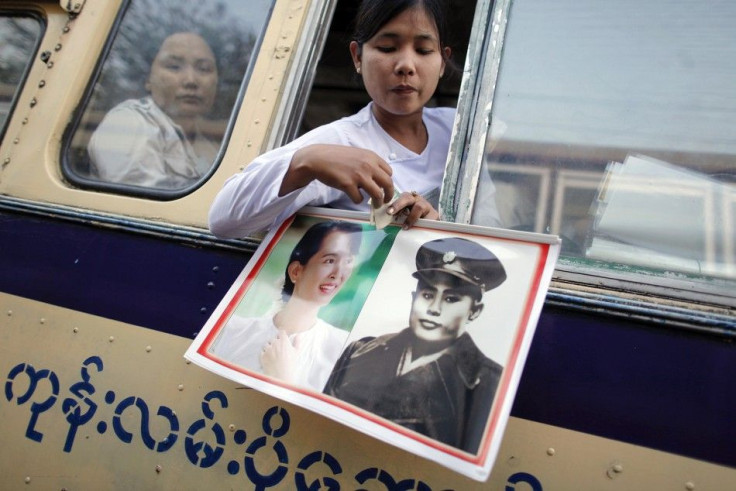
x,y
374,14
311,243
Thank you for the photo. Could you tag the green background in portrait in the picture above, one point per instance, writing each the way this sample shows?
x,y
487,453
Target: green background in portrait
x,y
344,309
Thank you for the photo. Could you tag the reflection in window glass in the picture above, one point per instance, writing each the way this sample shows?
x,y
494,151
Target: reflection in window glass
x,y
613,126
19,36
159,111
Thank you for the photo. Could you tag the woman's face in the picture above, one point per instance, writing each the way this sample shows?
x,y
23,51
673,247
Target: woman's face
x,y
183,79
326,272
402,63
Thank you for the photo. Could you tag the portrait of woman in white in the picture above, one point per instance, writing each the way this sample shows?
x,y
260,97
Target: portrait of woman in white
x,y
293,344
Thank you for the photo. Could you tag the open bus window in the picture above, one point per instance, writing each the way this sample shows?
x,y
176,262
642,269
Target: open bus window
x,y
157,115
612,125
19,38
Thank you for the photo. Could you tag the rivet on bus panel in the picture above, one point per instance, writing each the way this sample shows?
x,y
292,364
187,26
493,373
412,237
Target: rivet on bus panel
x,y
16,140
50,64
181,387
75,330
28,479
148,349
45,56
42,84
10,313
42,321
6,161
111,338
158,469
57,47
25,121
33,102
550,451
210,285
614,471
690,486
66,28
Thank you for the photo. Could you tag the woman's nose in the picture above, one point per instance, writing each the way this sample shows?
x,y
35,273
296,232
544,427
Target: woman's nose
x,y
189,76
405,63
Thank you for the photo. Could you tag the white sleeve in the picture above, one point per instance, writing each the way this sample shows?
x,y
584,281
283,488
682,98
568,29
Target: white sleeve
x,y
249,202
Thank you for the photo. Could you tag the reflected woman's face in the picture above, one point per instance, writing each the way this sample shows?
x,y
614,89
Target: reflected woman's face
x,y
326,272
183,78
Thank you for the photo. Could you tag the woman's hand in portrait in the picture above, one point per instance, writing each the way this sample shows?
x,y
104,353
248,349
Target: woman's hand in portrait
x,y
414,206
348,169
279,357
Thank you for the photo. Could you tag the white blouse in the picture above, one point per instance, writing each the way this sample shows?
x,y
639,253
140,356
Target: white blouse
x,y
242,340
137,143
249,201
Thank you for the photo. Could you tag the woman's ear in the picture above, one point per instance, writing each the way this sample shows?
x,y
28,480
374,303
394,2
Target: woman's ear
x,y
294,269
447,51
355,55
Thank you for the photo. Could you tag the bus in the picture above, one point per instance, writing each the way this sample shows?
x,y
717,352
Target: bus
x,y
608,124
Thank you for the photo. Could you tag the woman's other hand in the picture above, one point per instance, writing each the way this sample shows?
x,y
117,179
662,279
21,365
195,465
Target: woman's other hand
x,y
279,357
348,169
414,206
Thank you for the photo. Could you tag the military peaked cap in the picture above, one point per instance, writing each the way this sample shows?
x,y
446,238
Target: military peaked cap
x,y
463,259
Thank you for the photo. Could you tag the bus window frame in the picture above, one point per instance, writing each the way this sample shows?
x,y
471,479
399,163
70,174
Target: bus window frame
x,y
465,160
156,194
9,11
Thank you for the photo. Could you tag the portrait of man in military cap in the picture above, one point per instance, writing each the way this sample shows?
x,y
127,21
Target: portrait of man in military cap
x,y
431,377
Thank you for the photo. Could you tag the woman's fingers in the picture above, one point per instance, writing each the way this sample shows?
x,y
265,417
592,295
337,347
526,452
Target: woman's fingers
x,y
415,207
348,169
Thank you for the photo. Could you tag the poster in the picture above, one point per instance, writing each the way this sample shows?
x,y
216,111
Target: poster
x,y
416,337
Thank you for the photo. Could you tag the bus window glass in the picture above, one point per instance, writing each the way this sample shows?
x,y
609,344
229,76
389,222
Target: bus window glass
x,y
158,112
19,37
612,125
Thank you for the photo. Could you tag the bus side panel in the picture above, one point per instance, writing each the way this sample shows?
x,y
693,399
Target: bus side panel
x,y
649,385
141,280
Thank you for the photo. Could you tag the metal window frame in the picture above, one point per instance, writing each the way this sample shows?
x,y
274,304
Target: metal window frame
x,y
573,278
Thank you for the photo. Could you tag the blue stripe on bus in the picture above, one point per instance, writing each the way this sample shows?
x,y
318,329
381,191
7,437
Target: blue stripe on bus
x,y
647,385
159,284
620,379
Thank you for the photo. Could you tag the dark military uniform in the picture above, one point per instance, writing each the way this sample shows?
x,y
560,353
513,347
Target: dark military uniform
x,y
448,398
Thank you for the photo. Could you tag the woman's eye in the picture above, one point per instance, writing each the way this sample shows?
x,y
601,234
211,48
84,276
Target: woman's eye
x,y
452,298
385,49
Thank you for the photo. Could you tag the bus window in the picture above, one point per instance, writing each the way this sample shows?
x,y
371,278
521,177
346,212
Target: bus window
x,y
612,125
19,38
157,115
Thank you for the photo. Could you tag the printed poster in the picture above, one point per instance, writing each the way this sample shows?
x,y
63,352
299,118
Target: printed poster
x,y
416,337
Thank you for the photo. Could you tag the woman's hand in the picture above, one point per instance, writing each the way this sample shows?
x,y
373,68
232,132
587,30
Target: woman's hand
x,y
279,357
348,169
414,206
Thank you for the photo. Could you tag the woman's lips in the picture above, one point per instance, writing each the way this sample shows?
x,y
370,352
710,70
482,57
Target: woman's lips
x,y
403,89
328,288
